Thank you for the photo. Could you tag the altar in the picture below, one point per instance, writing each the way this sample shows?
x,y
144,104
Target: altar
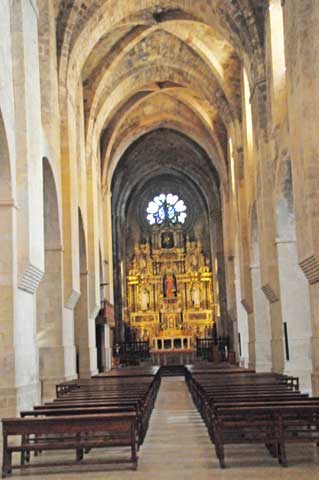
x,y
170,298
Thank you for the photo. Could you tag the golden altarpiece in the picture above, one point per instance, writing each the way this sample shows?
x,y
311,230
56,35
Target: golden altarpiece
x,y
170,291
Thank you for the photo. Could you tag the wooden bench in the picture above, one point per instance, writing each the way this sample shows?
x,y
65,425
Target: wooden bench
x,y
118,392
255,408
98,406
79,433
108,385
273,425
134,376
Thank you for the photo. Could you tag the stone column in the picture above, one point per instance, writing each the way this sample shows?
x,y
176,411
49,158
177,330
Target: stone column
x,y
266,226
295,305
49,324
229,273
30,238
8,401
85,332
242,318
302,59
262,323
218,254
106,349
245,278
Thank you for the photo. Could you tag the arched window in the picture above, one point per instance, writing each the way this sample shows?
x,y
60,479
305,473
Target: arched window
x,y
166,208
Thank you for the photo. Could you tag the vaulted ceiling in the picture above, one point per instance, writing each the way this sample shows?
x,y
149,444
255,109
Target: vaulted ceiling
x,y
144,65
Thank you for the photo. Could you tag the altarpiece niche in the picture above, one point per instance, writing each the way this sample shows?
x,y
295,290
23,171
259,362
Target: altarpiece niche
x,y
170,289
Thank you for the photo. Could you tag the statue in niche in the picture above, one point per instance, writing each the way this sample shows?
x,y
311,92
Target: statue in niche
x,y
145,299
145,252
201,256
188,244
146,249
206,265
135,262
171,322
137,250
133,266
192,257
167,240
169,285
143,263
195,259
195,295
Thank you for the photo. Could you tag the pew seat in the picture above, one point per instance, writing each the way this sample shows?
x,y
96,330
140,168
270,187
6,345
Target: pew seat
x,y
79,433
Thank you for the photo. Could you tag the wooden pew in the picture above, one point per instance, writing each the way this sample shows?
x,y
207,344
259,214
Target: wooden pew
x,y
255,408
273,425
127,375
117,396
115,392
142,412
74,432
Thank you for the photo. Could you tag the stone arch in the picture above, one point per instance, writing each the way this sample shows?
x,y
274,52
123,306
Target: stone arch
x,y
74,49
50,293
210,145
138,80
294,293
52,229
261,311
5,170
84,334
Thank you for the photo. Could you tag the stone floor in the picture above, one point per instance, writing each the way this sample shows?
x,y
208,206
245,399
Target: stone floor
x,y
177,447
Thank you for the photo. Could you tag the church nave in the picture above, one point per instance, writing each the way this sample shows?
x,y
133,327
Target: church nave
x,y
177,447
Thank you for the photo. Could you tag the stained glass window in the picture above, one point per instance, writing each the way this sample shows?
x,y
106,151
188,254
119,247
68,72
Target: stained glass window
x,y
169,208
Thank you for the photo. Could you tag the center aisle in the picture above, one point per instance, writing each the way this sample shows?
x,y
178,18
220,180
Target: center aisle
x,y
177,444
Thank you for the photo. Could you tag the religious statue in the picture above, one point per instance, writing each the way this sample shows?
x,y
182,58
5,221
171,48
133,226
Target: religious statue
x,y
137,250
171,322
188,244
146,249
169,285
145,299
195,295
191,262
144,258
167,240
133,266
143,263
201,256
194,260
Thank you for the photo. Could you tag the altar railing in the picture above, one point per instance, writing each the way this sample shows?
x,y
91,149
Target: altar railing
x,y
211,348
131,353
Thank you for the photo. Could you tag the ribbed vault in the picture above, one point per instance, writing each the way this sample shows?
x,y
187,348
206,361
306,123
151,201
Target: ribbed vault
x,y
127,53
